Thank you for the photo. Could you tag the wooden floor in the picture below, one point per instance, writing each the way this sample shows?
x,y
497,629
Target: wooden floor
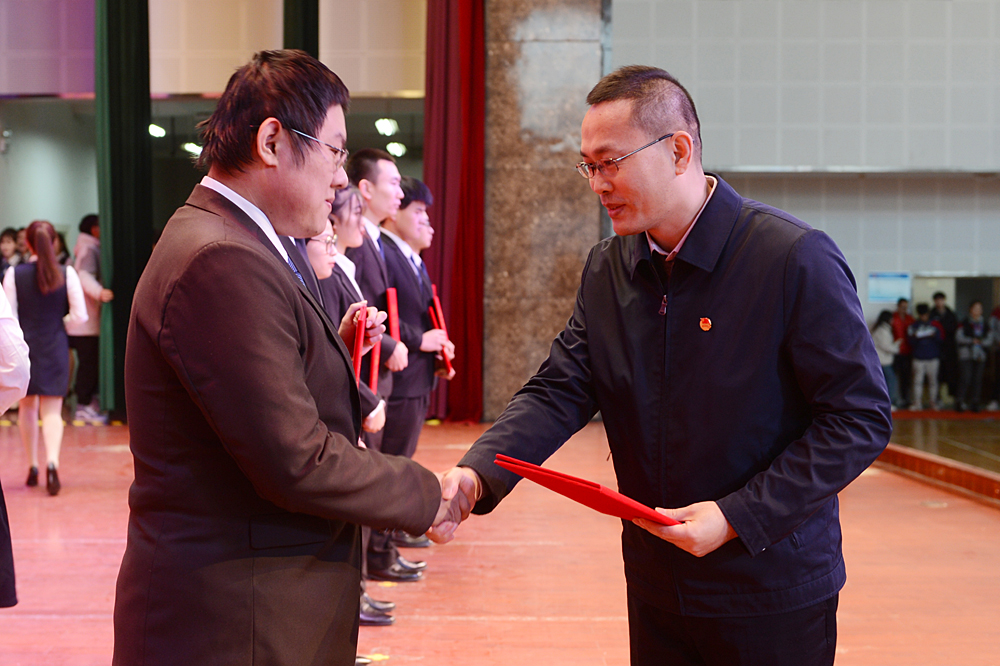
x,y
539,581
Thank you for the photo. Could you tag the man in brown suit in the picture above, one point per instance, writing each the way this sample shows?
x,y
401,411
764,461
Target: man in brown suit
x,y
244,416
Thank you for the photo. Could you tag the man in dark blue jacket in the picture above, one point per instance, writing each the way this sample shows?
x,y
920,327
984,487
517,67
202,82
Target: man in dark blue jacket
x,y
723,343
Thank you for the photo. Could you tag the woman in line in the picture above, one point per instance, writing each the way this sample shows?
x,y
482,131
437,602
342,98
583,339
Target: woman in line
x,y
41,292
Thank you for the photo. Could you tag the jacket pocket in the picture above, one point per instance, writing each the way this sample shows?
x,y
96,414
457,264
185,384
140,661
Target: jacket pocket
x,y
283,530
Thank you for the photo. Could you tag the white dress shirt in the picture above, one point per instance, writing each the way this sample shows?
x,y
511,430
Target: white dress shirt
x,y
256,214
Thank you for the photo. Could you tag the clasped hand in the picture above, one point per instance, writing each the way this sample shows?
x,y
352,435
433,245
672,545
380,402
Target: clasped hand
x,y
461,488
374,326
703,528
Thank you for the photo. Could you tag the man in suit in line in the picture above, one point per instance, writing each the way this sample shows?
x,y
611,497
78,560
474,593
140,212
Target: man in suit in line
x,y
376,176
409,232
244,416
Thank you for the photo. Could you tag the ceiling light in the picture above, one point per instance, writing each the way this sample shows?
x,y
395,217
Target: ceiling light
x,y
192,148
387,126
157,131
396,149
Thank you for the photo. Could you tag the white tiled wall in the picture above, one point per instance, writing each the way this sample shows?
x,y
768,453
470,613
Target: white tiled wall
x,y
873,84
922,224
377,46
46,46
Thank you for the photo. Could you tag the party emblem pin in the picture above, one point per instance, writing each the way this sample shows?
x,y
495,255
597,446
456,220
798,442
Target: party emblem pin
x,y
705,323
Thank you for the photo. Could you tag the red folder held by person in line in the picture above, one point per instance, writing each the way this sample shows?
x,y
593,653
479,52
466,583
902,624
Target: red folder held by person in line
x,y
588,493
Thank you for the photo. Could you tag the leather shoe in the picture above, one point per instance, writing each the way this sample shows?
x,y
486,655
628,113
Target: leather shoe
x,y
409,565
404,540
374,618
52,480
32,477
381,606
395,574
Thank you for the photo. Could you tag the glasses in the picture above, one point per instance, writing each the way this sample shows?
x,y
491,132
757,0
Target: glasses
x,y
331,248
339,154
609,167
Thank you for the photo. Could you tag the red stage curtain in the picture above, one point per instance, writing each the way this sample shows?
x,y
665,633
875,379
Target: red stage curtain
x,y
454,157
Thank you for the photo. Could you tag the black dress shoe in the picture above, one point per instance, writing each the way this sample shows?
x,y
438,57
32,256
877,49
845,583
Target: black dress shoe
x,y
410,565
374,618
404,540
32,477
395,574
52,480
382,606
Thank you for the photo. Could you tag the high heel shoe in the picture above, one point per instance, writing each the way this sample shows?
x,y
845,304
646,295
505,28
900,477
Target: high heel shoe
x,y
32,476
52,480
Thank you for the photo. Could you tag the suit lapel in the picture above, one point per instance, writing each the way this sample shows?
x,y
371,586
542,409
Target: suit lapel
x,y
209,200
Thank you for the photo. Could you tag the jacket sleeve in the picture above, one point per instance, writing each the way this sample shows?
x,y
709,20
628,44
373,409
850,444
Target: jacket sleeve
x,y
235,330
557,402
838,373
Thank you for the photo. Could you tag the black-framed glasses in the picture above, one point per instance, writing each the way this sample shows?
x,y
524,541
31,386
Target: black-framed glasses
x,y
609,167
339,154
331,247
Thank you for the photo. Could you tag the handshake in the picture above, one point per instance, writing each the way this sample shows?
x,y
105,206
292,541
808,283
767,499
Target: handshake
x,y
461,488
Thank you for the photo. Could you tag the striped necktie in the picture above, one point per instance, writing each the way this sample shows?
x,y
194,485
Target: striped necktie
x,y
296,271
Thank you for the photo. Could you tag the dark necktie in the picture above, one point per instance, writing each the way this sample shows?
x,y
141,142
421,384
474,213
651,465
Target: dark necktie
x,y
296,271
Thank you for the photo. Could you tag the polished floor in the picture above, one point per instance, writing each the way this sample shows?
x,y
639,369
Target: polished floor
x,y
973,439
539,581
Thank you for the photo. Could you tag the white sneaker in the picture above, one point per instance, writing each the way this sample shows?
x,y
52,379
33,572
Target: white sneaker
x,y
88,414
993,406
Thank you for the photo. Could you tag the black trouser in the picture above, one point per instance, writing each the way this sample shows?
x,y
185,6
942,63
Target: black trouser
x,y
903,365
403,423
970,390
806,637
88,361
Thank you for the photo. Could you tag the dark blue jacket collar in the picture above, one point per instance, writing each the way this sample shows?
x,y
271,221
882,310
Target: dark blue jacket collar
x,y
704,245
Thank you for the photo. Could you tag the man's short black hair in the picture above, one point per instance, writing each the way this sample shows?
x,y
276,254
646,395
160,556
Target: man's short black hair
x,y
88,223
902,300
660,104
363,164
922,309
9,232
290,86
414,190
939,294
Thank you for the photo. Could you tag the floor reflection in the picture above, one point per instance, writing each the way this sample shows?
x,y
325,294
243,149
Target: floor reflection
x,y
974,442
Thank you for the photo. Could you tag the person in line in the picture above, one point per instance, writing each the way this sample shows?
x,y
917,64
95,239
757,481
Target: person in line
x,y
926,338
903,363
84,336
322,251
702,333
974,339
41,292
244,416
15,373
375,175
886,348
410,232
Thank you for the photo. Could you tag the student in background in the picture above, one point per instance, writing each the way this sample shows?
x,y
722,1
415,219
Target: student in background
x,y
8,249
925,338
903,363
974,338
84,336
40,291
886,348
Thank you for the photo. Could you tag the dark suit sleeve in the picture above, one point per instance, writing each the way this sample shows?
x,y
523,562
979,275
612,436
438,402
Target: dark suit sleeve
x,y
838,372
557,402
238,335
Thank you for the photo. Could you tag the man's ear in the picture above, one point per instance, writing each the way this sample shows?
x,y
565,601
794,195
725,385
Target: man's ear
x,y
683,151
266,141
365,187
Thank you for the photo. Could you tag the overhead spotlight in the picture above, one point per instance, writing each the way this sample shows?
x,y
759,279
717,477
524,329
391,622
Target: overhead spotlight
x,y
192,148
157,131
387,126
396,149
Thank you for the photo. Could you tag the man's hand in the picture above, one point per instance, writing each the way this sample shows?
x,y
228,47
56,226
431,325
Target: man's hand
x,y
461,488
376,420
433,340
703,528
374,326
399,359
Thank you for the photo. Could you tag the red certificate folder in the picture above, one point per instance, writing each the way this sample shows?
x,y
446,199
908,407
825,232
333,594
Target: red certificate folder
x,y
597,497
359,341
